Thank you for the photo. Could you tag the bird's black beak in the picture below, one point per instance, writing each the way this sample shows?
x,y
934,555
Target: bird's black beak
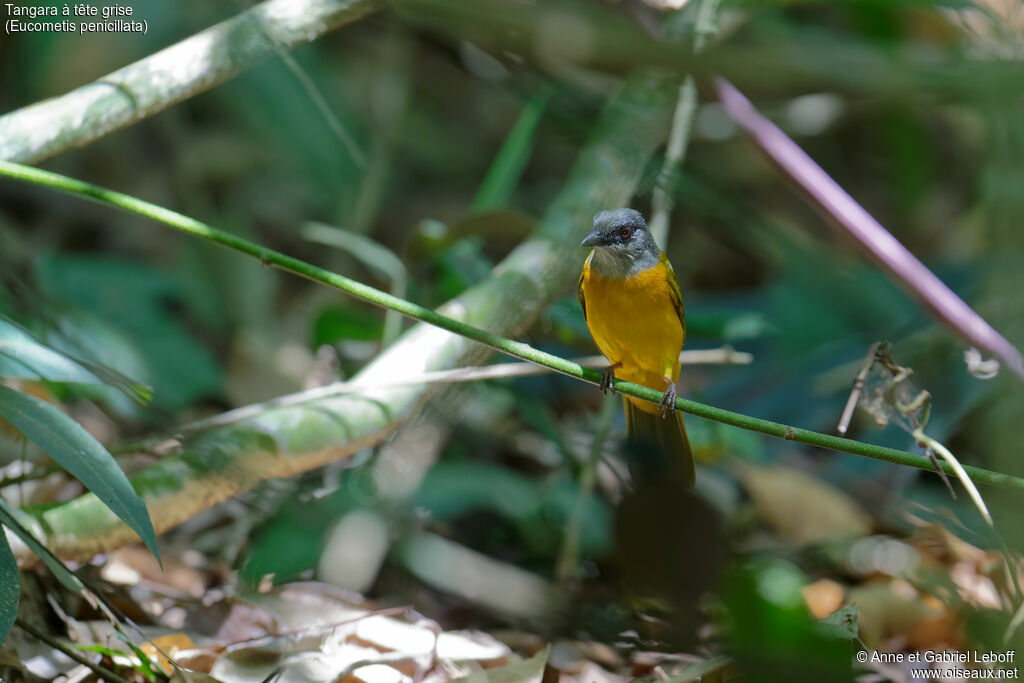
x,y
594,239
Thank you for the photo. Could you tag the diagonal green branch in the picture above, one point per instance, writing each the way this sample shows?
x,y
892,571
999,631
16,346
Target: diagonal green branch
x,y
180,71
512,348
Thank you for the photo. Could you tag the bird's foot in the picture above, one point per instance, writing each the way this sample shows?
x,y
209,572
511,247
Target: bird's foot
x,y
667,405
608,379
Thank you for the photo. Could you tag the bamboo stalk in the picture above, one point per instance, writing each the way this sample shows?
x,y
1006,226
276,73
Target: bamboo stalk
x,y
185,69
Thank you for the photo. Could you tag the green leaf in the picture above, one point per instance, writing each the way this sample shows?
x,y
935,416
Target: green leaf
x,y
10,587
9,518
334,324
144,665
503,176
83,456
372,254
842,623
21,355
773,638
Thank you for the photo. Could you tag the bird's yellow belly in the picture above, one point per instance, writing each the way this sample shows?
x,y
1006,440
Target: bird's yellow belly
x,y
635,322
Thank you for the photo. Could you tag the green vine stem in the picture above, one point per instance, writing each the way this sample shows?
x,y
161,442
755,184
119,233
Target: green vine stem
x,y
516,349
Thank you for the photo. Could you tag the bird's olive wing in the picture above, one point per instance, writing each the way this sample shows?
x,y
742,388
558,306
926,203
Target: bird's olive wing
x,y
579,288
673,287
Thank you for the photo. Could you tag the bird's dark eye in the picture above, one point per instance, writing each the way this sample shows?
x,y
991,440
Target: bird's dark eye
x,y
625,233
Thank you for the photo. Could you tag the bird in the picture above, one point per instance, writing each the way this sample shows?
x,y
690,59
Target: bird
x,y
634,311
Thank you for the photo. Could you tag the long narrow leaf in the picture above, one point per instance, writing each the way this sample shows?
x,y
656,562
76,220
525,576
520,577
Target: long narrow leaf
x,y
503,176
10,587
9,519
23,356
79,453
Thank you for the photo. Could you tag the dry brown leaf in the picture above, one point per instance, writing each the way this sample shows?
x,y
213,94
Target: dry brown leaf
x,y
980,575
975,587
800,508
198,660
888,608
241,620
823,597
246,665
589,672
942,544
323,633
994,26
162,647
128,566
943,630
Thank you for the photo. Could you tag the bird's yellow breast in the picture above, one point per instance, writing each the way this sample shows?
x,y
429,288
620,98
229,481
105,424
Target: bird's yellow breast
x,y
635,322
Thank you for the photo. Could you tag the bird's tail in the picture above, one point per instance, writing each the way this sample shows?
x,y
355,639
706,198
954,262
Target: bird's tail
x,y
666,436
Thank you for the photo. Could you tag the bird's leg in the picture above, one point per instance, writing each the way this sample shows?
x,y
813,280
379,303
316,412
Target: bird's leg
x,y
668,401
608,378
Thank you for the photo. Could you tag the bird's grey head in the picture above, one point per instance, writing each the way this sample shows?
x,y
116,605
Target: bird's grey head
x,y
623,246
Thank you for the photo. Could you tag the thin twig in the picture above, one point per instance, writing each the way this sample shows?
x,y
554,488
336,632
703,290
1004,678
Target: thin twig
x,y
315,628
725,355
104,673
858,388
37,472
682,123
661,196
318,100
958,470
1015,623
333,122
565,566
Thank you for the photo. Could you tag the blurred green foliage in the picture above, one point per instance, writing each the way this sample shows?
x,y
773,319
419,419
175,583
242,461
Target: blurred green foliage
x,y
895,99
150,308
772,635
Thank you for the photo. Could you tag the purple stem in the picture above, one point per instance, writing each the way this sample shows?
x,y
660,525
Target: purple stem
x,y
841,208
